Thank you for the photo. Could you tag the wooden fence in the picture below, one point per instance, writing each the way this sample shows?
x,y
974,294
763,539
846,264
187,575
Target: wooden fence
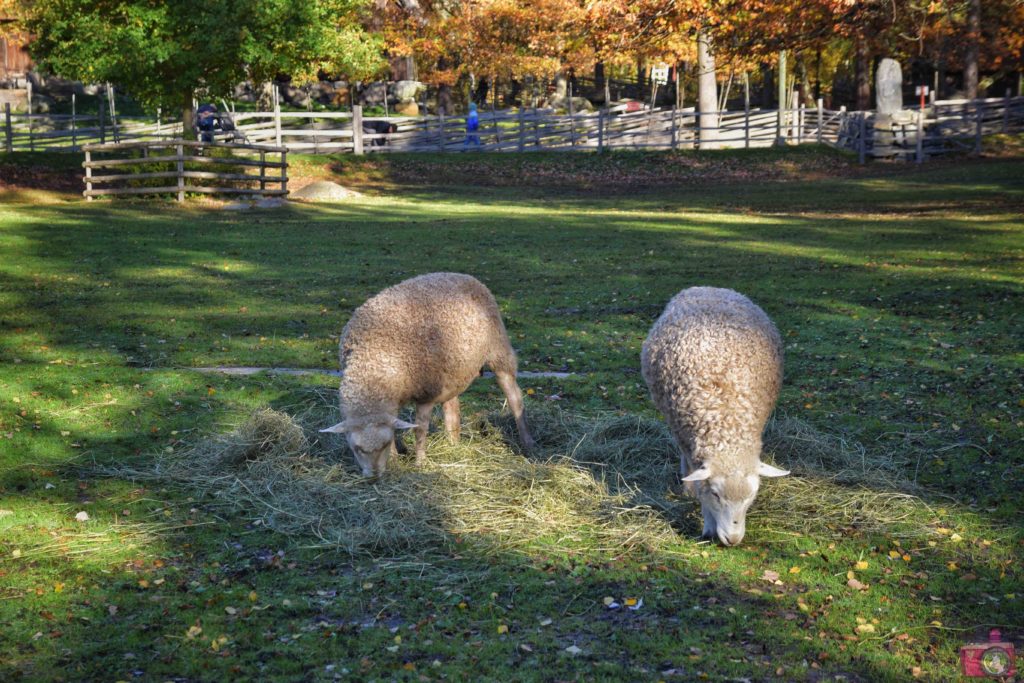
x,y
943,127
175,166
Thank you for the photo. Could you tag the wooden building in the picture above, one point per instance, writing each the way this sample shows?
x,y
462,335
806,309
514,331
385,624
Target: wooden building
x,y
14,59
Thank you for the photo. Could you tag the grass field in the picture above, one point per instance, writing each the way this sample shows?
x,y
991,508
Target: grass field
x,y
898,292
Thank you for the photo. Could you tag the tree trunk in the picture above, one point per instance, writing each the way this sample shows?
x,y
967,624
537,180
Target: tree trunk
x,y
188,130
707,91
863,76
973,49
767,86
601,81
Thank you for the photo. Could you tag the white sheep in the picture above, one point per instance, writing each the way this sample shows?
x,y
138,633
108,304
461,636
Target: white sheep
x,y
713,364
421,341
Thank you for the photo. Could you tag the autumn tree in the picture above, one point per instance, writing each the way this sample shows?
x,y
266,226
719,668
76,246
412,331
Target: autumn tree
x,y
164,52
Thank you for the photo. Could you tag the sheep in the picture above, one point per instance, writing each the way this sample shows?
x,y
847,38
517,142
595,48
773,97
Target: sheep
x,y
422,341
713,364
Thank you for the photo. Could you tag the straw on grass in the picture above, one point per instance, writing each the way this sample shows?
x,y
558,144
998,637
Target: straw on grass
x,y
608,482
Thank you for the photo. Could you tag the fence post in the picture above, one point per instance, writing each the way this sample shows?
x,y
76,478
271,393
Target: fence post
x,y
277,115
103,128
920,137
88,176
181,172
263,172
74,137
696,128
978,123
284,170
746,121
536,133
357,129
1006,112
600,129
862,138
440,130
8,131
572,123
522,132
673,127
821,117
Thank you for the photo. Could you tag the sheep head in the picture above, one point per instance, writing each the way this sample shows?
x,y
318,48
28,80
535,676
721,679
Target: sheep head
x,y
725,498
370,440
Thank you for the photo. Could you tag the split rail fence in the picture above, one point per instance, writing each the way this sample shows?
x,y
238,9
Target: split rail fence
x,y
943,127
179,167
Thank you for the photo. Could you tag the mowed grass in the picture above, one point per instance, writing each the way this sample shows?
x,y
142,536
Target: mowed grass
x,y
898,294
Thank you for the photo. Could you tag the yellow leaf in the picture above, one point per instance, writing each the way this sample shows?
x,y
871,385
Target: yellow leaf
x,y
894,554
906,558
58,587
608,600
866,628
630,602
936,623
502,628
143,583
862,565
956,538
253,597
193,631
398,640
794,570
952,566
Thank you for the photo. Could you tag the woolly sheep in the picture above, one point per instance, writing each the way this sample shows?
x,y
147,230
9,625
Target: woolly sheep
x,y
421,341
713,364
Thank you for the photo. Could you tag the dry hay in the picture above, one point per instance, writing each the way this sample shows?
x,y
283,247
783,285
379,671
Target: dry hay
x,y
607,483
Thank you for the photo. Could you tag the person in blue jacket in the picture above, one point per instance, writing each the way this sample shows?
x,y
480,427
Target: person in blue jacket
x,y
472,126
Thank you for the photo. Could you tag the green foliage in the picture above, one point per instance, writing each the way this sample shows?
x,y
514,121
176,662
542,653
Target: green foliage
x,y
161,52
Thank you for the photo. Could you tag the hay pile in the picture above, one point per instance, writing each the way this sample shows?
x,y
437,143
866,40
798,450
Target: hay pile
x,y
609,482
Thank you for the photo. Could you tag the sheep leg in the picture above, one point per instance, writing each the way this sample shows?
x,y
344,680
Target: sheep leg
x,y
452,422
507,382
423,412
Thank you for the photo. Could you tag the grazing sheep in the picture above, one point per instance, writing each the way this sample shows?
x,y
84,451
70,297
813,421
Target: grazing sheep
x,y
422,341
713,363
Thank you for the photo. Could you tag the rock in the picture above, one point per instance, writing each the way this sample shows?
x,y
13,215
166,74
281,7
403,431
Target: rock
x,y
406,91
16,97
323,191
270,203
407,109
372,93
888,87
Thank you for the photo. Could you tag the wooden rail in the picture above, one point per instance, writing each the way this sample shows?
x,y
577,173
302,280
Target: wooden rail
x,y
227,166
944,127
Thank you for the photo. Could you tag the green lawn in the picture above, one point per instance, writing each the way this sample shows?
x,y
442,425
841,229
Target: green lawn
x,y
898,292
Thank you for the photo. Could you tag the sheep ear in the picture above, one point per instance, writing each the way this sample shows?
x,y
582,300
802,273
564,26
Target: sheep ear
x,y
699,474
402,424
766,470
339,428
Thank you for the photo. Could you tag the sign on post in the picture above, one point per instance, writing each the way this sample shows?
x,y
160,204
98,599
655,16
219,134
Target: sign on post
x,y
659,74
922,91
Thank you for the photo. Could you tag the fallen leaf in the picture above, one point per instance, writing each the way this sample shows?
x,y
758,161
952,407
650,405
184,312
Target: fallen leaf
x,y
865,628
573,650
856,585
193,632
82,516
502,628
861,565
769,575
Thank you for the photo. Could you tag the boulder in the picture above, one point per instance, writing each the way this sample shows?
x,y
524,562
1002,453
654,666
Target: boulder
x,y
407,109
406,91
323,191
372,94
